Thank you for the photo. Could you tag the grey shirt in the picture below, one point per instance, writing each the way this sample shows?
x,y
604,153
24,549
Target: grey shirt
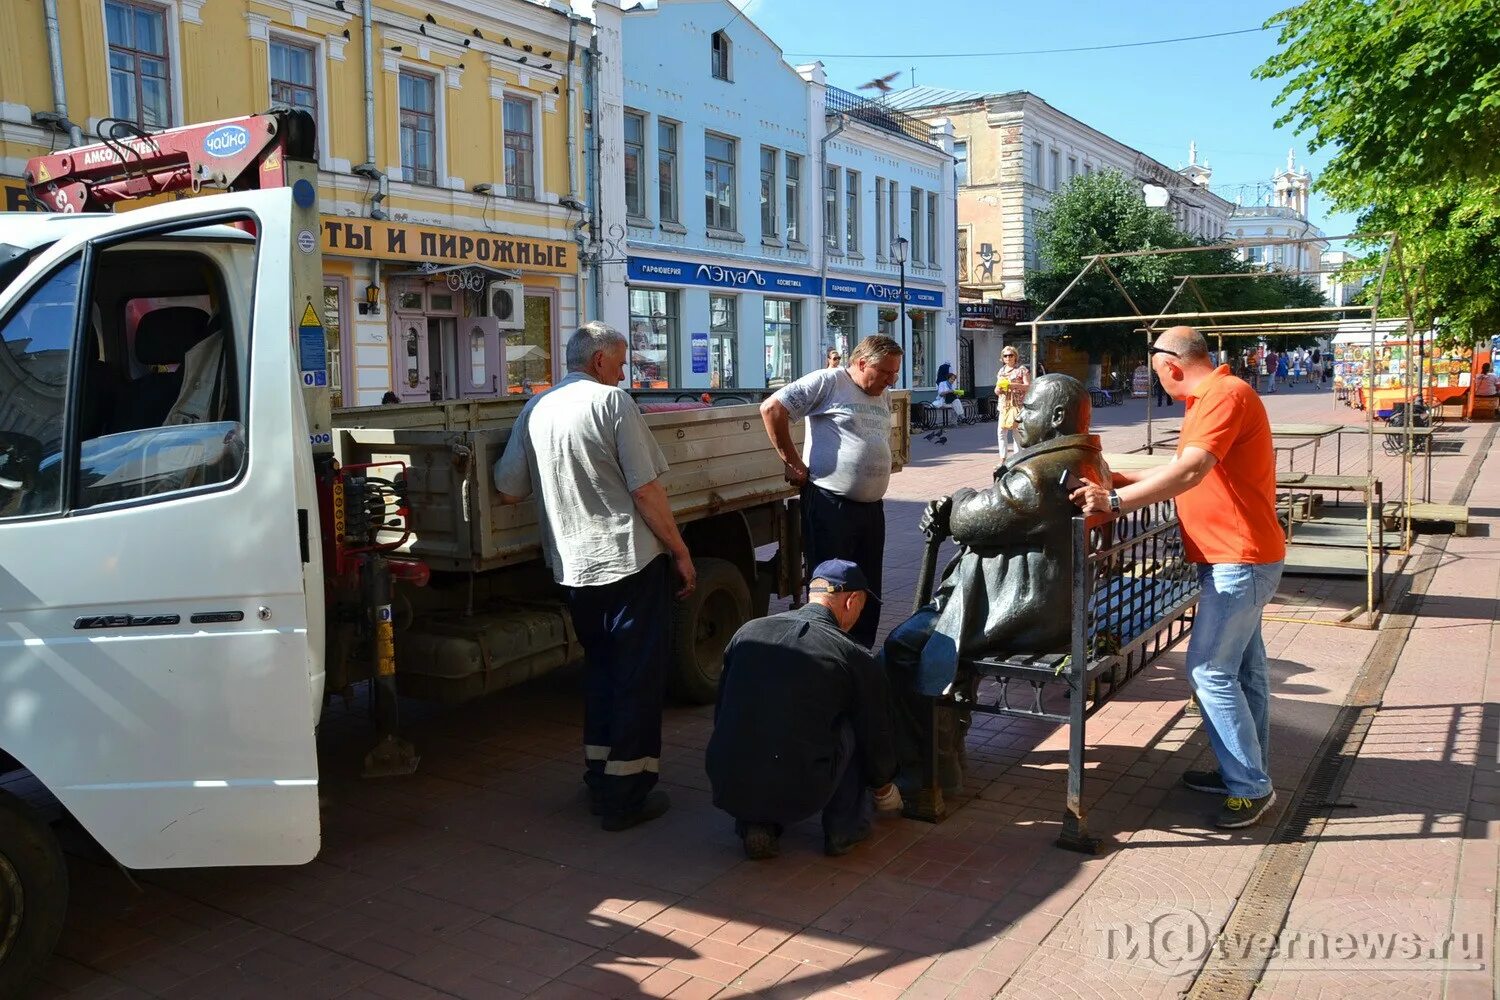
x,y
848,448
584,447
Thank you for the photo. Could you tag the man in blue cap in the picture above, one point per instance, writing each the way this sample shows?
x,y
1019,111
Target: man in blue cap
x,y
803,721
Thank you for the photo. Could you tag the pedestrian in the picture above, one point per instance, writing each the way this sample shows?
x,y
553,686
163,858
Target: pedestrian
x,y
1162,399
1280,369
608,535
847,466
803,721
945,397
1224,480
833,359
390,399
1011,382
1272,360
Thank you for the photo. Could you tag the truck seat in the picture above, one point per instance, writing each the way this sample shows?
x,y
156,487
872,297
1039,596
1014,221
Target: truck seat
x,y
163,337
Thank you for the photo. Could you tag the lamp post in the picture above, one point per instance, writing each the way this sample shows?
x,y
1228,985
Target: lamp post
x,y
898,251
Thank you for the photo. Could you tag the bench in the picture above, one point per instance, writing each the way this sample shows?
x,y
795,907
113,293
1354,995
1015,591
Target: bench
x,y
1133,596
1431,513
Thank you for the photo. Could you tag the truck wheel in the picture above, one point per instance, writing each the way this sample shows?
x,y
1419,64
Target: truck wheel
x,y
33,894
702,626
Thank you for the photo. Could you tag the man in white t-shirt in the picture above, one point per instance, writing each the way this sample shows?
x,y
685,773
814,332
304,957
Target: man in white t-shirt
x,y
610,539
847,466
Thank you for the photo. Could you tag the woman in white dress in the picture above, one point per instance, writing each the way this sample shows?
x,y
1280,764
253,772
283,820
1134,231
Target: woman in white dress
x,y
1011,382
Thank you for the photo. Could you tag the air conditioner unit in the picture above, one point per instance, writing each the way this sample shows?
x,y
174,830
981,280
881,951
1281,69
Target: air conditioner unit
x,y
506,301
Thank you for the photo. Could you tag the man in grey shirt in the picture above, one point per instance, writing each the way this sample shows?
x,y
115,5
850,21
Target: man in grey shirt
x,y
609,537
848,463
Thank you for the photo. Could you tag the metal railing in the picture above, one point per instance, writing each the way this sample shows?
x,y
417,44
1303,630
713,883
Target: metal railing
x,y
874,113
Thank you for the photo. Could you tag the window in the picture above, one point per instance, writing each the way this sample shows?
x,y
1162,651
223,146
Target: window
x,y
882,244
418,128
932,228
783,329
718,182
831,207
294,76
333,325
1036,164
922,370
961,163
718,62
528,352
793,198
653,337
723,344
840,333
893,211
1072,167
635,153
140,76
1052,162
520,148
768,227
963,255
917,204
666,170
851,212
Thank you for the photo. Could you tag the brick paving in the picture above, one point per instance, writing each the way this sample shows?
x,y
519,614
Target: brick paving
x,y
483,876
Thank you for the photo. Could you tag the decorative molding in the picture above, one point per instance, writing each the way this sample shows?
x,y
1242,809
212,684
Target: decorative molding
x,y
455,76
390,61
497,89
11,112
549,104
260,27
336,45
305,10
191,11
424,45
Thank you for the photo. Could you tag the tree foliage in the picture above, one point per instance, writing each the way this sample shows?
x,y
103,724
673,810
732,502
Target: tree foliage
x,y
1105,213
1407,92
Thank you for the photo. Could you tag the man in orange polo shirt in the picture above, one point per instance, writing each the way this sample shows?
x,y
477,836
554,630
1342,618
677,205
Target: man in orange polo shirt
x,y
1224,480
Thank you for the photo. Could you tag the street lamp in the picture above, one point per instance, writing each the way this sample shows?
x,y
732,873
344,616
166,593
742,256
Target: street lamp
x,y
898,251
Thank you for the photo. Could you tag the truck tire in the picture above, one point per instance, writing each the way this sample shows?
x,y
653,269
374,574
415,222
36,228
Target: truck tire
x,y
702,626
33,894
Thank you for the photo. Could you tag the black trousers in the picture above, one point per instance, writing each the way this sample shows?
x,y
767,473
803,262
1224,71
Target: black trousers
x,y
848,806
835,527
625,629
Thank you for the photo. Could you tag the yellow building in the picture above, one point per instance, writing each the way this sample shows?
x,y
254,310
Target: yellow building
x,y
449,188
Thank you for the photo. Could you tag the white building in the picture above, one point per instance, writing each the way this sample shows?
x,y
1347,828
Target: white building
x,y
1283,216
1339,290
724,286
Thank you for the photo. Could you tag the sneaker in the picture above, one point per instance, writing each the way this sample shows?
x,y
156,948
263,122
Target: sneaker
x,y
838,846
1211,782
655,804
1239,811
761,842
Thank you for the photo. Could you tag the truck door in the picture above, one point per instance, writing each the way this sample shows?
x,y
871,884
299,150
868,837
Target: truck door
x,y
161,622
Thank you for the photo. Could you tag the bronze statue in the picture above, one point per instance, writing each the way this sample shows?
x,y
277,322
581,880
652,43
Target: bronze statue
x,y
1009,589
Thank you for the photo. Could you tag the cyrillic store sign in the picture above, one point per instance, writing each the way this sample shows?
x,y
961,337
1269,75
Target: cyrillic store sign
x,y
871,291
351,237
748,279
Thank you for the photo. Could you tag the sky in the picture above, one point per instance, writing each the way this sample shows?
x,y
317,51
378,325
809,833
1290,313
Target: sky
x,y
1154,98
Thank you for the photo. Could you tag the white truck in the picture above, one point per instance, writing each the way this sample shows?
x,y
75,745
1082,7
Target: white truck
x,y
195,551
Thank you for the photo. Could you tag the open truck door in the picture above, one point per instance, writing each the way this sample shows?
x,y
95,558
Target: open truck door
x,y
161,582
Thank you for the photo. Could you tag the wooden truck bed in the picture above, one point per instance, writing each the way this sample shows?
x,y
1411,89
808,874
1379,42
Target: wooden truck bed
x,y
720,461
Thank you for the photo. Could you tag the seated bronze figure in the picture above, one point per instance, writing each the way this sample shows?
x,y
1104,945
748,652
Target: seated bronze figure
x,y
1009,589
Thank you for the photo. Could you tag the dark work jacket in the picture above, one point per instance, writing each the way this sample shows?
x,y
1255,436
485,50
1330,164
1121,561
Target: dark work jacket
x,y
789,682
1010,588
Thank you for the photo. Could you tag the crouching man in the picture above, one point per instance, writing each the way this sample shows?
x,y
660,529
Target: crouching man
x,y
803,721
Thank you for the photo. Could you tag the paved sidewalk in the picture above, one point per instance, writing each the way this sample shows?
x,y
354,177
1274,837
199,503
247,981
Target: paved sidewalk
x,y
482,876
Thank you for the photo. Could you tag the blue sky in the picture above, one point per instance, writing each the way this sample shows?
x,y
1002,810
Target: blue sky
x,y
1154,98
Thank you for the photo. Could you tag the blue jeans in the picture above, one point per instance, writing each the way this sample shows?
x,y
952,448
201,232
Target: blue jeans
x,y
1227,661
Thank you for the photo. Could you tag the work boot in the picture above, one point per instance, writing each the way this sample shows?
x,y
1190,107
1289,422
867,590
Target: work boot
x,y
1239,811
760,840
838,845
653,805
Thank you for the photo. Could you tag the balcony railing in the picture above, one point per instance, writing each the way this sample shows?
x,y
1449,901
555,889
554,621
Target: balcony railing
x,y
874,113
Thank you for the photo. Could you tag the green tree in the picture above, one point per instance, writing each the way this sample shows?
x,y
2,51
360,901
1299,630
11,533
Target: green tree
x,y
1407,93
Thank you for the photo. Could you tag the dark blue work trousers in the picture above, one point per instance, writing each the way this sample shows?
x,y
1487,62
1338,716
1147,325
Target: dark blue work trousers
x,y
846,809
835,527
625,628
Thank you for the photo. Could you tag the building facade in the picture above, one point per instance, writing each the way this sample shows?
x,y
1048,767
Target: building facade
x,y
449,186
745,281
1283,215
1013,152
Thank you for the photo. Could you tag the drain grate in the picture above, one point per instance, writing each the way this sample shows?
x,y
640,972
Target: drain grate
x,y
1232,972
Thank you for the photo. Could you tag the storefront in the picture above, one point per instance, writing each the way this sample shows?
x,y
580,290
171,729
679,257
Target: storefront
x,y
986,327
715,326
445,314
858,308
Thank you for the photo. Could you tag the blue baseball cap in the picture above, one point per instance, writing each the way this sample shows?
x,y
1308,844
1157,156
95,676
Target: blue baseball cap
x,y
842,575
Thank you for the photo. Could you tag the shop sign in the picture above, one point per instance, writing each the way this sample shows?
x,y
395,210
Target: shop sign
x,y
351,237
982,315
871,291
16,198
749,279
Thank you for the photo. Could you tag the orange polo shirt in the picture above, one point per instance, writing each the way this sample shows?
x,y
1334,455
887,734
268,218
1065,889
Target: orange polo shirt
x,y
1230,517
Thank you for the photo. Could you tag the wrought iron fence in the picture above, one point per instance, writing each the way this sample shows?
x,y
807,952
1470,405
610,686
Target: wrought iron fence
x,y
874,113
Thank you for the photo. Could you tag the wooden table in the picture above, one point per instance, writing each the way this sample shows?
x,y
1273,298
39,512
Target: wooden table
x,y
1303,435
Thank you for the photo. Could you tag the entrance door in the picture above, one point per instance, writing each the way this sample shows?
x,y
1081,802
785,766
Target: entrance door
x,y
411,358
478,350
162,678
439,359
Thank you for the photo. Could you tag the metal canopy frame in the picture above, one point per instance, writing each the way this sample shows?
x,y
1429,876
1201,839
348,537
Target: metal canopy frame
x,y
1272,322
